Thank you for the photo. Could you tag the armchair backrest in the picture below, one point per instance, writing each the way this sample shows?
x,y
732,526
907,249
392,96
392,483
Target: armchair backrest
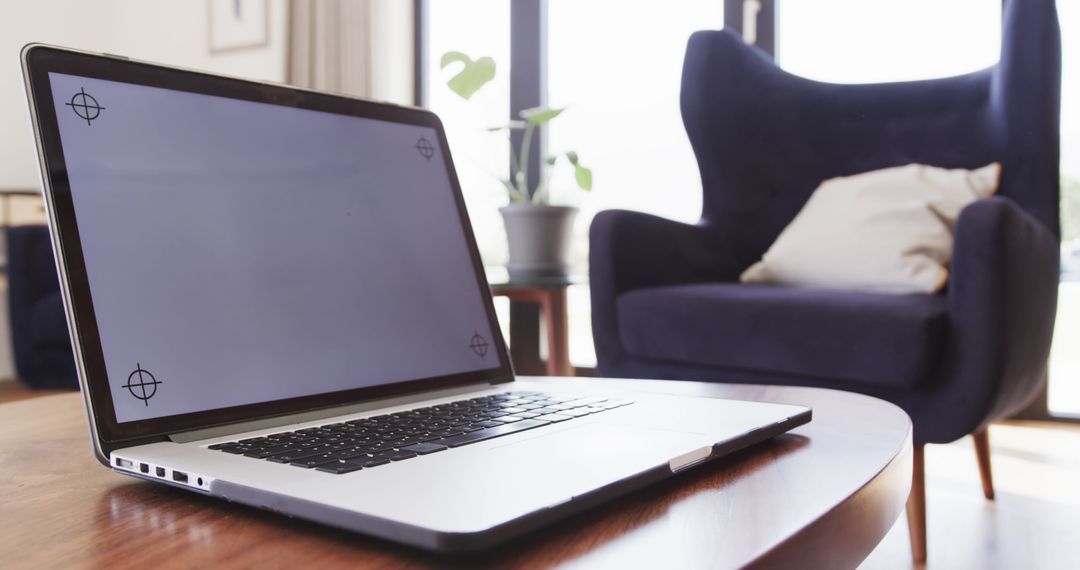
x,y
764,138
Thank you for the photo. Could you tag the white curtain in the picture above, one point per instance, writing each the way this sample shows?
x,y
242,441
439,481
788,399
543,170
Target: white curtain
x,y
331,45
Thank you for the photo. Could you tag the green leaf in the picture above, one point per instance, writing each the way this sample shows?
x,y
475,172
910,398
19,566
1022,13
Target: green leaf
x,y
515,196
540,115
583,176
551,159
473,74
452,56
572,157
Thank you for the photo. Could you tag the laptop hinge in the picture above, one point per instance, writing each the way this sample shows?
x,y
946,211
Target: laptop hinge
x,y
370,405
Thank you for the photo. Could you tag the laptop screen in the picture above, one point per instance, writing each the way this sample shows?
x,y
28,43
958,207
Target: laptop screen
x,y
240,252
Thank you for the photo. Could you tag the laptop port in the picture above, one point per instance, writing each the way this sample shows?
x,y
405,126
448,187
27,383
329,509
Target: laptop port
x,y
144,468
125,463
179,476
160,471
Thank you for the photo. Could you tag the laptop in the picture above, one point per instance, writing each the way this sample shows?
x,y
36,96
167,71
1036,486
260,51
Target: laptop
x,y
275,298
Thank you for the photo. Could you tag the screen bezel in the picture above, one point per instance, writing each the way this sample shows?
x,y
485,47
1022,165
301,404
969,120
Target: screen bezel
x,y
39,61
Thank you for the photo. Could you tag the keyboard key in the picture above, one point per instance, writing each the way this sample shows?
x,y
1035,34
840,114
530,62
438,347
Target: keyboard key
x,y
394,455
554,418
501,430
339,467
217,446
268,451
424,448
317,460
370,462
353,454
290,456
446,432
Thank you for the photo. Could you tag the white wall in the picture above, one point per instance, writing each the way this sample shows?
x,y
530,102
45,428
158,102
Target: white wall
x,y
175,33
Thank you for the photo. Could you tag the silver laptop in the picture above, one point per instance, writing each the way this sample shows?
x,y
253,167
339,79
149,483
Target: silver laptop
x,y
275,298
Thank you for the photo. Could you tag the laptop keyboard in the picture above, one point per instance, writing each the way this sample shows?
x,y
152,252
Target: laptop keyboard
x,y
370,442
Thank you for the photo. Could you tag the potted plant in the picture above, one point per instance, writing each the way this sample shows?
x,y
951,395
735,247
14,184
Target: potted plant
x,y
537,232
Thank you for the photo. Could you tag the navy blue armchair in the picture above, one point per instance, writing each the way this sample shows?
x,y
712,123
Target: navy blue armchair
x,y
39,334
666,298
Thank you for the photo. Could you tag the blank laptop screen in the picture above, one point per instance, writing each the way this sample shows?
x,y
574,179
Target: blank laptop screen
x,y
241,252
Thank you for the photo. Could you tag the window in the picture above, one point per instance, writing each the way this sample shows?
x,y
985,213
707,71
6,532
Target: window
x,y
622,117
1064,391
622,99
477,28
898,40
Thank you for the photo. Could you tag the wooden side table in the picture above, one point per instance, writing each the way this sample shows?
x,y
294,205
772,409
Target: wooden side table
x,y
526,296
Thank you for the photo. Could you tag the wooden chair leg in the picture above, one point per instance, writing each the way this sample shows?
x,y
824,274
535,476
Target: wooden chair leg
x,y
982,455
916,507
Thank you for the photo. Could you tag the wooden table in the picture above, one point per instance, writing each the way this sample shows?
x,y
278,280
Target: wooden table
x,y
821,496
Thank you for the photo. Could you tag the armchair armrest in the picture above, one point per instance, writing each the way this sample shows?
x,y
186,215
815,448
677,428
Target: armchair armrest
x,y
633,250
1002,300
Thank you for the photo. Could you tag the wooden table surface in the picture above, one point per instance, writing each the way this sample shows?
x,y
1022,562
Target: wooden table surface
x,y
822,496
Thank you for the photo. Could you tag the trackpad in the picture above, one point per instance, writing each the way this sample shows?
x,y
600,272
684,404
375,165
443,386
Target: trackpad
x,y
593,455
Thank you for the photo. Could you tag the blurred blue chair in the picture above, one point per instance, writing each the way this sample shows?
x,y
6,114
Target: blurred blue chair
x,y
39,333
666,299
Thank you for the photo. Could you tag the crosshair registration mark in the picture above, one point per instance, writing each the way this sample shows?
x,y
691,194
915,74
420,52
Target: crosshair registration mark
x,y
85,106
425,148
479,345
142,384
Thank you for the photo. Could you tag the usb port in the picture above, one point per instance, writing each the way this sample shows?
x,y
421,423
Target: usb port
x,y
125,463
179,476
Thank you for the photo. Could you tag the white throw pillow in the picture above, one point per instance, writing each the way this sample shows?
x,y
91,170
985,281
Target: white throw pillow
x,y
888,230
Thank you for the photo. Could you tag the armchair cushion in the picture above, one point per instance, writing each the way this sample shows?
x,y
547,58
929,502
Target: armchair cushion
x,y
888,230
883,339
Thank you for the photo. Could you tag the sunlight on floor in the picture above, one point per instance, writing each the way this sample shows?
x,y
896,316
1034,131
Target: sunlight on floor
x,y
1032,523
1064,395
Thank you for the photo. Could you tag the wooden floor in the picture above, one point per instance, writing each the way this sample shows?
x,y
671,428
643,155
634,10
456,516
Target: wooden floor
x,y
1033,523
11,391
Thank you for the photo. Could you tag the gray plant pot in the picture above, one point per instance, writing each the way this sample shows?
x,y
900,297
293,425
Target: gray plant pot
x,y
539,239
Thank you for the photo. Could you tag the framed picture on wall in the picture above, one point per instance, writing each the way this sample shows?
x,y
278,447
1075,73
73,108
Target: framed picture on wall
x,y
238,24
